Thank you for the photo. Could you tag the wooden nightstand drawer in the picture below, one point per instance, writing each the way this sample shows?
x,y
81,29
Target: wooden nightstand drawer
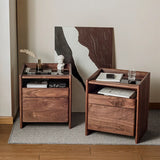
x,y
111,101
111,114
45,109
45,92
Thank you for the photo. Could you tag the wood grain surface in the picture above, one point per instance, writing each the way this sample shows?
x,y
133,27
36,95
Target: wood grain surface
x,y
70,100
44,92
136,109
45,109
111,84
99,42
111,101
45,104
6,120
111,119
142,107
73,152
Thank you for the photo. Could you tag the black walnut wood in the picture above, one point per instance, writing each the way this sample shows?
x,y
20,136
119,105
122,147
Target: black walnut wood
x,y
115,114
45,109
99,42
111,119
45,104
45,92
111,101
142,107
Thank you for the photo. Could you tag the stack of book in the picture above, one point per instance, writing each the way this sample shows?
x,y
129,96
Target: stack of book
x,y
37,84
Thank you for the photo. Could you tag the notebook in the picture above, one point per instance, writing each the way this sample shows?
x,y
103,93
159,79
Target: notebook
x,y
103,77
117,92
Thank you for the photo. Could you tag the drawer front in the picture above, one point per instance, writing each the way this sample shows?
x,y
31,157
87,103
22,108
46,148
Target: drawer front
x,y
111,101
45,92
45,109
111,119
111,114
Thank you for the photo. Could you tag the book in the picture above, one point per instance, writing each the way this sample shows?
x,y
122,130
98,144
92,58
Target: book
x,y
117,92
103,77
37,84
57,85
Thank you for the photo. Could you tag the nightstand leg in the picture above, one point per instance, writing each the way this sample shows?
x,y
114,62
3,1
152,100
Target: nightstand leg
x,y
87,132
70,126
21,124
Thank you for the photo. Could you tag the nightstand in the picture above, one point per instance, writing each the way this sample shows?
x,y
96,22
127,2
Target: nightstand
x,y
45,104
125,116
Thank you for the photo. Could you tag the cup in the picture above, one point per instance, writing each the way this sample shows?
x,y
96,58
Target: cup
x,y
131,75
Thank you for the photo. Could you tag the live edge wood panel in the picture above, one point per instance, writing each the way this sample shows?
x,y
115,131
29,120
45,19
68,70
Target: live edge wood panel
x,y
115,114
45,104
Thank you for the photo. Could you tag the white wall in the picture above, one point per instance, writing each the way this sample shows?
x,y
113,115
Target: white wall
x,y
13,55
136,26
5,85
8,58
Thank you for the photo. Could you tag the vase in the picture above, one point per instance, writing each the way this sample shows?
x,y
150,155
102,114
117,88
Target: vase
x,y
39,66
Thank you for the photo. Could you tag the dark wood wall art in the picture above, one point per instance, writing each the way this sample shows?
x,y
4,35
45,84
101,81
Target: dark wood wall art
x,y
99,42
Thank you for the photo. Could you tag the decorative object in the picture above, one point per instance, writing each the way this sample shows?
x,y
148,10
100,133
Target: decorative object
x,y
60,65
87,49
32,54
131,76
125,116
39,66
28,52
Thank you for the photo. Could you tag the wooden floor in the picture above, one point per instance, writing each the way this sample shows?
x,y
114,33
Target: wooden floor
x,y
73,152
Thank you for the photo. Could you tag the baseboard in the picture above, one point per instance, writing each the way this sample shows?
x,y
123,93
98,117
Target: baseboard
x,y
154,106
6,120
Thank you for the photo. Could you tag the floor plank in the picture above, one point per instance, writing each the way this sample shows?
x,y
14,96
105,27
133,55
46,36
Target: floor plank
x,y
50,157
4,133
116,152
78,150
63,157
73,152
17,157
150,153
18,149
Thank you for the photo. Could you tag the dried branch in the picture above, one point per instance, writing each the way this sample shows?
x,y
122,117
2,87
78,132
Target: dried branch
x,y
28,52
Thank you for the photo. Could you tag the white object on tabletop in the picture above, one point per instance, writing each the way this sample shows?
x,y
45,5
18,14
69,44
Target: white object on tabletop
x,y
103,77
60,65
37,84
131,75
117,92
